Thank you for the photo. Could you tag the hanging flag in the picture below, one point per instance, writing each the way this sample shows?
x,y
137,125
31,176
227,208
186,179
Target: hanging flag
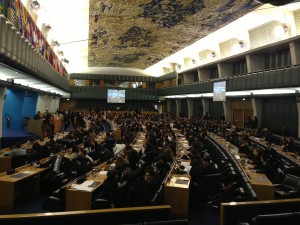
x,y
2,7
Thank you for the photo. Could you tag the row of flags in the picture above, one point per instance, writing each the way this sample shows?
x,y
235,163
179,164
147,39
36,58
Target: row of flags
x,y
32,33
2,7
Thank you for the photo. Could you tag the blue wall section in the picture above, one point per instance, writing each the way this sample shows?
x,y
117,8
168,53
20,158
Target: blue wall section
x,y
13,106
29,106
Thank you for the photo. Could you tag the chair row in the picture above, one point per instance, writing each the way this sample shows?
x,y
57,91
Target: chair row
x,y
231,171
133,215
274,219
244,212
167,222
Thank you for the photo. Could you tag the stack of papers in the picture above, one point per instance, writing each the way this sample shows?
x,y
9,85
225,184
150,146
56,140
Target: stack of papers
x,y
84,186
103,172
187,166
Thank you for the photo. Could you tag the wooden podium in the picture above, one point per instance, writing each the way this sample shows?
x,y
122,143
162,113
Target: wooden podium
x,y
36,127
118,134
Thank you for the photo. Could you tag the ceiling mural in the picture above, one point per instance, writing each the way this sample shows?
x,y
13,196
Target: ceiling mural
x,y
140,33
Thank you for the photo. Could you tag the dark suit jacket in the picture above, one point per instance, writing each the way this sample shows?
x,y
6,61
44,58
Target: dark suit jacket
x,y
268,170
271,154
64,164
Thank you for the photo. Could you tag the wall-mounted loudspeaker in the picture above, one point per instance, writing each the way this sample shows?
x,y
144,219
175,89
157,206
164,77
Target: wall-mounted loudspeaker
x,y
277,2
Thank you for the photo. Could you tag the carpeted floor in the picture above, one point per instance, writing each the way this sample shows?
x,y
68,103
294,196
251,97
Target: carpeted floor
x,y
10,137
197,215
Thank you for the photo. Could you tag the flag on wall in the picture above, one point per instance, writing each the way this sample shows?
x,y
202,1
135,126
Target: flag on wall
x,y
2,7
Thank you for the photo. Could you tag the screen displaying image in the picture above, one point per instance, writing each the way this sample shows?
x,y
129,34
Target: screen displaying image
x,y
219,91
115,96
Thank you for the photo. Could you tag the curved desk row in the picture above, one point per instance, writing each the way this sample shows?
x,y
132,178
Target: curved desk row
x,y
291,157
6,162
176,188
235,212
262,186
114,216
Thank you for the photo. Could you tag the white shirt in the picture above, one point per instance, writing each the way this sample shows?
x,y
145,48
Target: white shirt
x,y
89,158
118,148
57,164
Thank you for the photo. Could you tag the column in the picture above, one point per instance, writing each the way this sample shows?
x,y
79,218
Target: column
x,y
169,106
8,39
203,74
190,103
178,104
2,33
257,109
2,99
205,105
255,63
227,110
160,108
188,78
199,74
295,53
225,69
298,109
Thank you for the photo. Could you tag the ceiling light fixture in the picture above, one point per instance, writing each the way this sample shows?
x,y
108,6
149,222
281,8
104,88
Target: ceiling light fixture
x,y
47,28
285,28
281,30
56,44
241,44
212,54
61,53
276,2
65,60
35,5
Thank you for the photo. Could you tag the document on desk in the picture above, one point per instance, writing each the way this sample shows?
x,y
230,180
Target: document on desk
x,y
187,166
184,181
85,186
103,172
261,179
28,171
19,175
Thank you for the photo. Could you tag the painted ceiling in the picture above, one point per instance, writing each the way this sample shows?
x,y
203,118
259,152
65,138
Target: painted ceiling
x,y
140,33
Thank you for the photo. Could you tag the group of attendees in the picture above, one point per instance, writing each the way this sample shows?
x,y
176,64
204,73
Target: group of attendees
x,y
263,158
137,175
135,171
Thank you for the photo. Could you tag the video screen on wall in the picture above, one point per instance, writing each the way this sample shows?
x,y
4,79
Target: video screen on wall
x,y
219,91
115,96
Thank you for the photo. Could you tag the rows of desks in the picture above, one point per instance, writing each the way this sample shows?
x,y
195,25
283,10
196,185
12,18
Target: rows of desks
x,y
26,180
6,161
291,156
176,189
262,186
79,196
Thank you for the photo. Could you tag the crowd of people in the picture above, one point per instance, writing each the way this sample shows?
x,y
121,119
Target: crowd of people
x,y
137,175
134,172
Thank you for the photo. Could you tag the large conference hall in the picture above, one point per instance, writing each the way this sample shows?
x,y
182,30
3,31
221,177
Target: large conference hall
x,y
150,112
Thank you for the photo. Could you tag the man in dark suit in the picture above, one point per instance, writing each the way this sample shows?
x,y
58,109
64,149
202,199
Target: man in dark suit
x,y
266,168
270,153
59,170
